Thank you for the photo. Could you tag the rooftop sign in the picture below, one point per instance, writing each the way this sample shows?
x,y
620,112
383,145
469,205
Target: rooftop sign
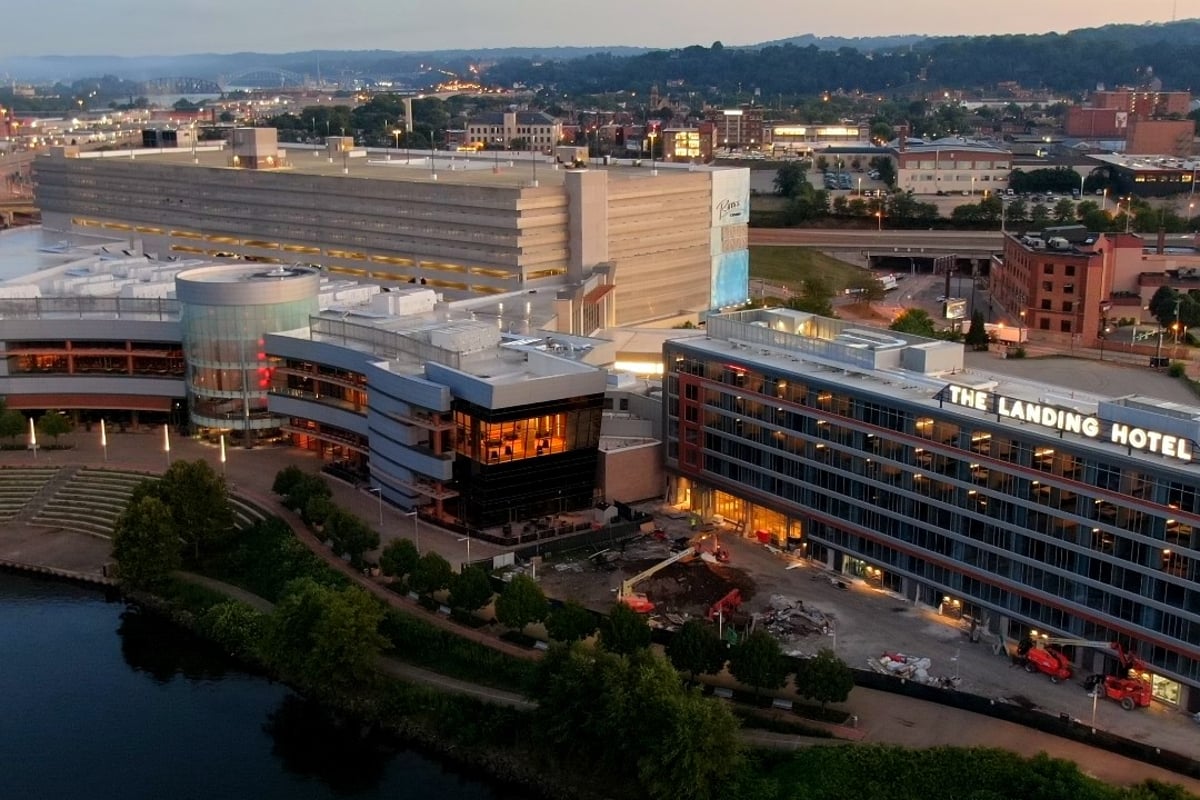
x,y
1065,420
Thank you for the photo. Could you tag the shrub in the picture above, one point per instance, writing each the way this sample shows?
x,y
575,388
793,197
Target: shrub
x,y
1177,369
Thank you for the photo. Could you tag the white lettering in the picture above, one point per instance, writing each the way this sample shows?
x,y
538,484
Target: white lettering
x,y
1184,449
1120,434
971,398
1137,438
1168,445
1154,439
1090,427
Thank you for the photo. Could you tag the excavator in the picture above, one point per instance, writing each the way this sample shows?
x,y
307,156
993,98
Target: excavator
x,y
704,545
1128,689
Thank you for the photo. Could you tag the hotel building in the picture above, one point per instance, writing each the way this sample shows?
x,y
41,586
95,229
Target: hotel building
x,y
876,453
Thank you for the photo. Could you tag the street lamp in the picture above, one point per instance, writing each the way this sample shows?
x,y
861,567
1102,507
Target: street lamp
x,y
1103,336
222,455
879,220
1104,200
378,492
167,443
1021,332
467,539
33,438
104,440
416,528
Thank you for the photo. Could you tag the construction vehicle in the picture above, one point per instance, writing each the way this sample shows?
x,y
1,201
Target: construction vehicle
x,y
638,601
704,545
727,604
1128,689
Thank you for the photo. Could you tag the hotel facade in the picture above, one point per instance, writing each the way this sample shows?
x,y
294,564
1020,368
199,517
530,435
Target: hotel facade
x,y
1023,506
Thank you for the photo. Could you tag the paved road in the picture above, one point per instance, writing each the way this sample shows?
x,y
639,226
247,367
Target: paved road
x,y
939,241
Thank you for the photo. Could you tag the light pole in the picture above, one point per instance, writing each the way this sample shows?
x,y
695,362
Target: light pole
x,y
467,539
879,220
1104,200
33,438
1021,332
222,455
167,443
1081,187
1103,336
416,528
378,492
104,440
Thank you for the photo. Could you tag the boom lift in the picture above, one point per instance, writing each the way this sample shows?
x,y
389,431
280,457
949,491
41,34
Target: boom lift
x,y
704,545
1129,689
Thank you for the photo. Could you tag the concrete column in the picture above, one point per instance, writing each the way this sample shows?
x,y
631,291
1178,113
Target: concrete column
x,y
587,202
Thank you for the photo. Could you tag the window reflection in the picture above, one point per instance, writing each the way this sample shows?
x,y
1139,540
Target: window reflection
x,y
531,437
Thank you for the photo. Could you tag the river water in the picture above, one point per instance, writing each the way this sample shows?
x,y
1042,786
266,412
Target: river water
x,y
100,701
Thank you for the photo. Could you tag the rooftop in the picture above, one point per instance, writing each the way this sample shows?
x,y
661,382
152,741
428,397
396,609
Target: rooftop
x,y
488,169
818,347
1148,163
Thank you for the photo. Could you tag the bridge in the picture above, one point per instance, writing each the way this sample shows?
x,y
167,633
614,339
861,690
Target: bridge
x,y
262,78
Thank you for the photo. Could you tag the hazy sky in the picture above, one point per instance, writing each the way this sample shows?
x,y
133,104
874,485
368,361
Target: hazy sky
x,y
137,27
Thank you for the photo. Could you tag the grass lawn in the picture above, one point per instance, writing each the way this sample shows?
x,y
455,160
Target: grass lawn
x,y
791,266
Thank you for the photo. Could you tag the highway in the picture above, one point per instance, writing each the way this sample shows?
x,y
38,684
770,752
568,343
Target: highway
x,y
939,241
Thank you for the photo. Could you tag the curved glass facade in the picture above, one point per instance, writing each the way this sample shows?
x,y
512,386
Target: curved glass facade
x,y
226,312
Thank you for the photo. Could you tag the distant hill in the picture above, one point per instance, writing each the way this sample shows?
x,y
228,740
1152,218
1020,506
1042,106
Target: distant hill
x,y
864,43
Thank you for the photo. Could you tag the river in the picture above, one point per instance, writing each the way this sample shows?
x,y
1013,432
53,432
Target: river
x,y
101,701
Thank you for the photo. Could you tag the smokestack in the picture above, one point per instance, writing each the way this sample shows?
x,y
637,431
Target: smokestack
x,y
1162,239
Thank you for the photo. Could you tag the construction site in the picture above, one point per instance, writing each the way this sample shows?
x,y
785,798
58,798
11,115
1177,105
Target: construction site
x,y
679,570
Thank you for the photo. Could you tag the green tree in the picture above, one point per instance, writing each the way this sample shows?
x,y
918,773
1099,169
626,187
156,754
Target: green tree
x,y
822,164
624,631
399,558
12,424
570,622
977,335
235,626
914,320
824,678
1164,305
302,488
318,510
696,649
54,424
199,503
790,179
145,544
886,169
470,589
350,535
758,662
286,479
1039,216
1064,211
1017,211
432,573
522,602
328,638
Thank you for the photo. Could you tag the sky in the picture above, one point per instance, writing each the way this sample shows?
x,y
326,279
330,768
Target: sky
x,y
136,27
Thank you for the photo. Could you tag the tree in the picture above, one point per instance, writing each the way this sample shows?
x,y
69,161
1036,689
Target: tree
x,y
54,424
790,179
432,573
286,479
522,602
235,626
12,424
886,169
757,662
329,638
1164,304
1039,215
824,678
1064,211
145,544
199,503
977,335
696,649
570,622
301,488
470,589
318,510
624,631
822,163
914,320
399,558
350,535
1018,211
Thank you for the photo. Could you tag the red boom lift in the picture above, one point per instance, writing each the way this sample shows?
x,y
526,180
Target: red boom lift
x,y
1129,689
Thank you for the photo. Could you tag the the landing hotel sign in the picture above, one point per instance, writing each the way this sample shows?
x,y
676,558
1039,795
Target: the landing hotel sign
x,y
1065,420
730,271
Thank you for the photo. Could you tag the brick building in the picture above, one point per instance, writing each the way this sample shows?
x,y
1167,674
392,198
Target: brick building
x,y
1171,137
1143,103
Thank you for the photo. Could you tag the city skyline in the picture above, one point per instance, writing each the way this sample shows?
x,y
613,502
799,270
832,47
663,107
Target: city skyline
x,y
126,27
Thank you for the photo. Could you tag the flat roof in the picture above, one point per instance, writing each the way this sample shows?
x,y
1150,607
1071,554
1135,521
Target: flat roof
x,y
496,168
1148,163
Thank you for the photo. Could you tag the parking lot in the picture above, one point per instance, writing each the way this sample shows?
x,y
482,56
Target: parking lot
x,y
864,622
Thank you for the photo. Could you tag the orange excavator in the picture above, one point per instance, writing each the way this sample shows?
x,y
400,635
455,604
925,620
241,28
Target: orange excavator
x,y
1129,689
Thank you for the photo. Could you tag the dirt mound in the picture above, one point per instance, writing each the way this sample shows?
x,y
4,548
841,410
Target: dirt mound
x,y
691,588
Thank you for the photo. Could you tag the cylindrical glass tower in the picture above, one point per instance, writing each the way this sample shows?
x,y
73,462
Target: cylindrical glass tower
x,y
226,311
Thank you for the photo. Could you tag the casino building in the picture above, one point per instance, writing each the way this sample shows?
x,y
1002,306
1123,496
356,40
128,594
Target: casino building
x,y
1022,505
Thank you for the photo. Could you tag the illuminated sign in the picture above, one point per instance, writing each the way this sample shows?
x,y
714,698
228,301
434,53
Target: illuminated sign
x,y
1066,420
956,308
